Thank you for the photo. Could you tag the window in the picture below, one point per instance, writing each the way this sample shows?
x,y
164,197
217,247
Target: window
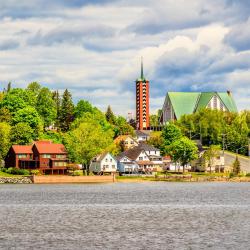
x,y
60,164
113,166
20,156
106,159
46,156
140,158
60,156
110,160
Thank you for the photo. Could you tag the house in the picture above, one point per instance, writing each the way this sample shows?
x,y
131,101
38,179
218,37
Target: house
x,y
177,104
48,157
125,141
142,135
126,165
103,163
142,158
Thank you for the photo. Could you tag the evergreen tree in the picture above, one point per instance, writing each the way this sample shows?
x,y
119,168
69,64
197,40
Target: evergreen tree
x,y
9,87
110,117
66,114
57,99
236,166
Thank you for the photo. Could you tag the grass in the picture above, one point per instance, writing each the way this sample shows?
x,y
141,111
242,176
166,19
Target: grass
x,y
3,174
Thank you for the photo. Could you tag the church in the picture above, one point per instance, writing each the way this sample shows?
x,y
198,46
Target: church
x,y
177,104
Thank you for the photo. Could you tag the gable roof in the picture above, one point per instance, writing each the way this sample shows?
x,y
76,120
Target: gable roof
x,y
141,133
22,149
183,102
123,138
100,157
147,147
49,148
188,102
131,153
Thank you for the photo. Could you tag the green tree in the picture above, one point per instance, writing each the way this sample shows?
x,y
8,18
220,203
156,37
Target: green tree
x,y
210,154
236,166
86,141
22,134
30,116
110,115
46,107
66,115
121,127
17,99
9,87
154,120
156,140
83,107
57,99
5,115
34,87
184,151
5,139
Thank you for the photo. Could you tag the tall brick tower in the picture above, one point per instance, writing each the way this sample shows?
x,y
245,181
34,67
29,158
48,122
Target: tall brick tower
x,y
142,101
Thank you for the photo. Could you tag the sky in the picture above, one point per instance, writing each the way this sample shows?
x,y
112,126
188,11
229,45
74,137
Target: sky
x,y
94,48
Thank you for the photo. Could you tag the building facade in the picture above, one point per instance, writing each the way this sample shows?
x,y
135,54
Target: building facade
x,y
177,104
142,102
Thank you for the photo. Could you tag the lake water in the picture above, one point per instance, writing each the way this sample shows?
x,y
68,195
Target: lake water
x,y
125,216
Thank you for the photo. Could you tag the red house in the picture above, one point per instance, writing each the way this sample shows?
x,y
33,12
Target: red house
x,y
48,157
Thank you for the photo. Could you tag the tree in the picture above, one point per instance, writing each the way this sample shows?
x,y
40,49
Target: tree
x,y
184,151
9,87
153,120
122,127
34,87
236,166
5,115
17,99
30,116
57,100
110,117
210,154
83,107
22,134
66,115
156,139
86,141
46,107
170,134
5,139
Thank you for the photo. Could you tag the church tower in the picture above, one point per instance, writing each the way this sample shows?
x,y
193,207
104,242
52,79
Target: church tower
x,y
142,102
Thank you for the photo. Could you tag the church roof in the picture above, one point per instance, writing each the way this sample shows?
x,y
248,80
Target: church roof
x,y
189,102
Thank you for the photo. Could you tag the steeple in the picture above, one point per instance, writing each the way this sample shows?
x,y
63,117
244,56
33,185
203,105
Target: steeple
x,y
142,76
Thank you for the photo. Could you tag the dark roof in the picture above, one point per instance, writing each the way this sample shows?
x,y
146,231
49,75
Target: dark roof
x,y
22,149
141,133
147,147
131,153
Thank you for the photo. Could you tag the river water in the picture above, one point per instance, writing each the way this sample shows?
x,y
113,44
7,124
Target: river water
x,y
125,216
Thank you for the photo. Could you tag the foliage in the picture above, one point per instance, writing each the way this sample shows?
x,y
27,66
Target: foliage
x,y
236,166
57,100
210,154
34,87
87,140
156,139
110,117
5,129
30,116
121,127
46,107
22,134
18,171
66,115
35,172
154,120
54,136
83,107
184,151
5,115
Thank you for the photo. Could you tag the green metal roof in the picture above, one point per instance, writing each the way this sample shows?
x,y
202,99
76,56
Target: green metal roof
x,y
204,99
183,102
189,102
228,100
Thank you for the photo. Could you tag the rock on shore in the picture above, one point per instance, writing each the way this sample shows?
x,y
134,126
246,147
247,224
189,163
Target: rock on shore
x,y
16,180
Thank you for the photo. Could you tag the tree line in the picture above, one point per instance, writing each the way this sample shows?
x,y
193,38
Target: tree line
x,y
37,113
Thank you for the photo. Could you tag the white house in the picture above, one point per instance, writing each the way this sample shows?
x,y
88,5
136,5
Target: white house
x,y
142,136
126,165
103,163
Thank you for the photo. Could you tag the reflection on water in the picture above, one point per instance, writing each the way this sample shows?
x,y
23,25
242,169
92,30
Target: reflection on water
x,y
122,216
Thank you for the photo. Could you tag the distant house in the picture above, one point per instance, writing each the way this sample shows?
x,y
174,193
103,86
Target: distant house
x,y
142,158
126,165
48,157
177,104
142,136
103,163
125,141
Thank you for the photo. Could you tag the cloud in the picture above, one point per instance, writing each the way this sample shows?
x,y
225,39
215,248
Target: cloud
x,y
8,45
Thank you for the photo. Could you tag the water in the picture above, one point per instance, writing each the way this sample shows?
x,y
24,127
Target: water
x,y
125,216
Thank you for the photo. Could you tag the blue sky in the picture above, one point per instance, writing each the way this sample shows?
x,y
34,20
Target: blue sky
x,y
94,47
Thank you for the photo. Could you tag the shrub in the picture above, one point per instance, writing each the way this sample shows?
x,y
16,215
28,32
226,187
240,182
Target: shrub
x,y
248,174
35,172
17,171
77,173
231,175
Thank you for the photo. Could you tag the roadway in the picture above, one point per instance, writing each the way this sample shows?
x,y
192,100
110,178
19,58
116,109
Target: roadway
x,y
244,161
